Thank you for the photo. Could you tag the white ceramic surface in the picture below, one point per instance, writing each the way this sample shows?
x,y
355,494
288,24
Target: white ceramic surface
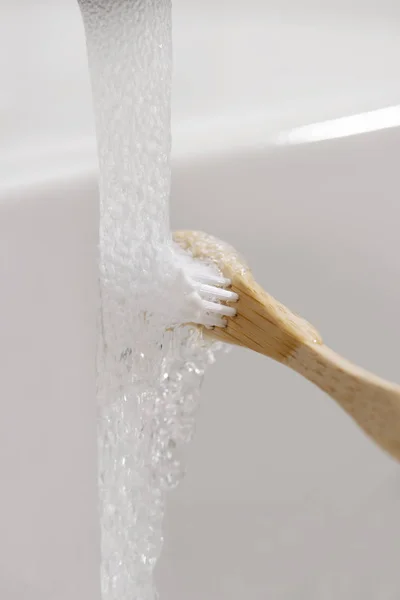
x,y
284,497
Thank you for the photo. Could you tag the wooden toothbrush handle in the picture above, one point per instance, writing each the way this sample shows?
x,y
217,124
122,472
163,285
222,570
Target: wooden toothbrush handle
x,y
264,325
371,401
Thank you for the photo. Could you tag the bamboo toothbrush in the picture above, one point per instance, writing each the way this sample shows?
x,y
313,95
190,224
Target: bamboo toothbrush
x,y
264,325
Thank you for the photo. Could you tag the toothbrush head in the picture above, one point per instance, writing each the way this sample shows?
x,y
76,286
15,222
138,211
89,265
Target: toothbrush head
x,y
207,281
256,321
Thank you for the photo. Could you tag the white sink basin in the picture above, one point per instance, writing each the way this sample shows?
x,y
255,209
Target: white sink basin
x,y
284,497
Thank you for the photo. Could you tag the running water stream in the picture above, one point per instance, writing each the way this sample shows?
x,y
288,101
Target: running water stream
x,y
148,375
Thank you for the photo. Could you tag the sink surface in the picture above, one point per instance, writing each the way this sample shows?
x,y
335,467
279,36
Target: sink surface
x,y
241,70
284,497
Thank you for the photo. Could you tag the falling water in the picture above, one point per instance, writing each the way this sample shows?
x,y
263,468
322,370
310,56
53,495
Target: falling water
x,y
149,373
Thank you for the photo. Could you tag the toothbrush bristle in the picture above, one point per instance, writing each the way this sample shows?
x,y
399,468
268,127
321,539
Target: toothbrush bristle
x,y
215,295
212,288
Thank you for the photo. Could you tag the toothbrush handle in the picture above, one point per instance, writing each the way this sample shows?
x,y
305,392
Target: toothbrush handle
x,y
371,401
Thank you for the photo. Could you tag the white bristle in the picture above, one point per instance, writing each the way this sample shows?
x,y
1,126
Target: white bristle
x,y
213,290
219,309
210,288
209,278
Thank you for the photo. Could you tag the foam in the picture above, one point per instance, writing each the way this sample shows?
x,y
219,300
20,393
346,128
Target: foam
x,y
148,375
